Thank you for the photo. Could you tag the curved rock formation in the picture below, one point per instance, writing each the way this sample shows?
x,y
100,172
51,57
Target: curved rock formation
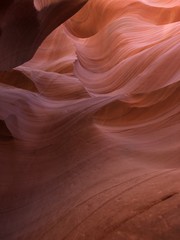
x,y
24,27
90,125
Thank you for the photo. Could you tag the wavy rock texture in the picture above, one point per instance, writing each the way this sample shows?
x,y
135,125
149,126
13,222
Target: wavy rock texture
x,y
90,126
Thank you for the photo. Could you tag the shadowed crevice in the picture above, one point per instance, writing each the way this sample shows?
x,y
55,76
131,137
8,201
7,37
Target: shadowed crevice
x,y
168,196
5,134
17,79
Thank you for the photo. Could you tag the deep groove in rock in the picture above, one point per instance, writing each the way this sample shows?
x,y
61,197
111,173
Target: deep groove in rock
x,y
141,211
168,196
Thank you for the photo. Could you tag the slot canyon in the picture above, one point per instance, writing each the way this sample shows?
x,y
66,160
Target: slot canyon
x,y
89,119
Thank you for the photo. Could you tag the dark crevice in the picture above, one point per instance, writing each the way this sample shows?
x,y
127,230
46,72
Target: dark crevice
x,y
164,198
5,134
168,196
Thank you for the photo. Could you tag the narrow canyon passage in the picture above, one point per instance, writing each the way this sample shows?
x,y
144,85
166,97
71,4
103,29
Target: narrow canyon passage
x,y
89,120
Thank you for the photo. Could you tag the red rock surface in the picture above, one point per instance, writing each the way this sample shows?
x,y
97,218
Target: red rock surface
x,y
90,120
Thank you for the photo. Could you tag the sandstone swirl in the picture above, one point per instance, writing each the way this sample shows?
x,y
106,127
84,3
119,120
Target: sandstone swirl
x,y
90,120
